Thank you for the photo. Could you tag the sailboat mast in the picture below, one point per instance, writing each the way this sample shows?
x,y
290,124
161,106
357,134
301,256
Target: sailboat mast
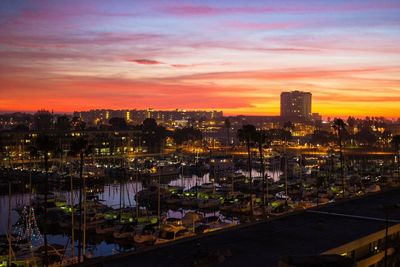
x,y
84,215
9,224
120,196
159,194
136,191
72,218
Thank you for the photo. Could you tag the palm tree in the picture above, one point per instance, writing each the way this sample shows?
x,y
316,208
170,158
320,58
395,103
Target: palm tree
x,y
246,134
263,139
79,147
339,126
2,154
44,146
288,127
396,145
154,135
227,124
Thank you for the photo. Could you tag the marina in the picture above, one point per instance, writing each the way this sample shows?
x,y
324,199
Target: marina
x,y
144,203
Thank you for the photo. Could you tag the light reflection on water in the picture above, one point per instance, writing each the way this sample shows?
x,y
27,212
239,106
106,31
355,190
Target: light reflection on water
x,y
111,195
189,182
16,200
257,174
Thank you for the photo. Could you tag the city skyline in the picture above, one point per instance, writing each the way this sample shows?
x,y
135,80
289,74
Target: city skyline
x,y
200,55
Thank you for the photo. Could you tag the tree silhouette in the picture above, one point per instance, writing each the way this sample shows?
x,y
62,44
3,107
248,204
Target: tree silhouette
x,y
149,123
153,135
322,138
43,120
21,128
288,126
365,137
77,124
247,134
44,146
79,146
263,139
351,122
2,149
279,134
396,146
186,134
62,124
227,124
340,126
118,123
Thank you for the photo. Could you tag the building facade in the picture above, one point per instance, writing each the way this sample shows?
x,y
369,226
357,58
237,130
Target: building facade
x,y
296,106
99,116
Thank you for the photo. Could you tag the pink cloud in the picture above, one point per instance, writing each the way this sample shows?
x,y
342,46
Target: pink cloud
x,y
374,42
187,65
145,61
181,65
61,41
262,26
191,10
270,45
284,74
204,10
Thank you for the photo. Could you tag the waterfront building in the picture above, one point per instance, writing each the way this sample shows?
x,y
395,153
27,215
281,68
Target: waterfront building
x,y
133,116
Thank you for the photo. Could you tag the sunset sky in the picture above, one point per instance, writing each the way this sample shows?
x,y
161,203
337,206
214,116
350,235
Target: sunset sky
x,y
235,56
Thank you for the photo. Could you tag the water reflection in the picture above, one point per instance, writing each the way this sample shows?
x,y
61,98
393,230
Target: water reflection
x,y
112,195
189,182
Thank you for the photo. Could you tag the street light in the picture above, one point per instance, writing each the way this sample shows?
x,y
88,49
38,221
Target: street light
x,y
386,208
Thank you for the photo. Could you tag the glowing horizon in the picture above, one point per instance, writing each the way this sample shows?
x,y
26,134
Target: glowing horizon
x,y
211,55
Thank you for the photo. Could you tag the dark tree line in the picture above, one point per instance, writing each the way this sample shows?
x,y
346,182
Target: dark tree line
x,y
260,139
186,134
363,137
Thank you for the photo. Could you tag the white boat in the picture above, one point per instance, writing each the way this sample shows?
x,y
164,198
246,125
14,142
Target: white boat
x,y
241,208
92,221
173,221
189,202
108,228
147,235
173,200
213,223
208,187
226,187
191,217
168,170
144,238
373,188
126,231
171,233
208,203
281,195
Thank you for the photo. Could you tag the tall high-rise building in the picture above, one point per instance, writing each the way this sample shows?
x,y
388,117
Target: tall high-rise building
x,y
296,105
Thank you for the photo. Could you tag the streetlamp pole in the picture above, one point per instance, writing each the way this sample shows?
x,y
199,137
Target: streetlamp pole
x,y
386,208
386,236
